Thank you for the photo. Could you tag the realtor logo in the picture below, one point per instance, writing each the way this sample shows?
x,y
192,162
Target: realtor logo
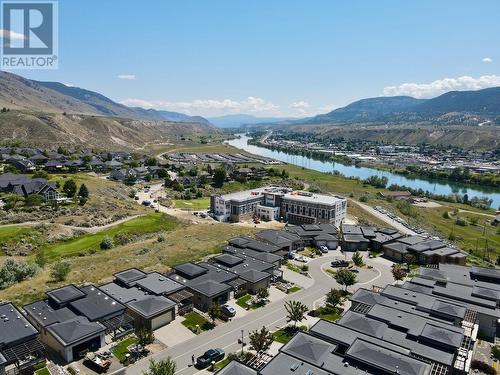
x,y
29,34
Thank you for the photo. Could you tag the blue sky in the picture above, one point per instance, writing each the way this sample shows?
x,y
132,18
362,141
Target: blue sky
x,y
280,58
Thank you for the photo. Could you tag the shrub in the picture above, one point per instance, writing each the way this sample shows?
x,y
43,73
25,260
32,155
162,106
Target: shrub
x,y
107,243
495,350
60,270
461,222
446,215
120,239
16,271
363,198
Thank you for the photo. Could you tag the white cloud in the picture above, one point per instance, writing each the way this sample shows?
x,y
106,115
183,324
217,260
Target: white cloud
x,y
426,90
13,35
300,104
487,60
209,107
126,76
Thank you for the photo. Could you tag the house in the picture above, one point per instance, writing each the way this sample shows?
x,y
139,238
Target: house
x,y
317,234
20,348
112,165
25,186
123,175
39,159
21,163
54,165
285,241
152,312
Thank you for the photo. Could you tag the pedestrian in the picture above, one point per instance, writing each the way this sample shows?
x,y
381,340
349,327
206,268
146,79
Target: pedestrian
x,y
192,360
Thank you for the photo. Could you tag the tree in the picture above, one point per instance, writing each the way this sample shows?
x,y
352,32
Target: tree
x,y
345,277
260,341
69,188
357,259
151,162
144,337
214,312
33,200
333,298
83,192
398,273
409,259
60,270
295,311
219,177
262,293
162,173
164,367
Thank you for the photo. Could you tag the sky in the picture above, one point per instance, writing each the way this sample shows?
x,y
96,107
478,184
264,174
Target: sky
x,y
274,58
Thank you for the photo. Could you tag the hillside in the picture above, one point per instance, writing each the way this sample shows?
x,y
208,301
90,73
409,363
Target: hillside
x,y
48,129
451,108
17,92
237,120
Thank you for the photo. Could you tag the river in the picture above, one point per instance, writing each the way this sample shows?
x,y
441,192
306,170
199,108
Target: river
x,y
436,187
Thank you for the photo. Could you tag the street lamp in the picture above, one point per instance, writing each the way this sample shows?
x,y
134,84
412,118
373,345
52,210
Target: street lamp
x,y
242,343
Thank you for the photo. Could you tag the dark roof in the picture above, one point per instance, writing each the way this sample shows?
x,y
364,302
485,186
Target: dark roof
x,y
65,294
129,276
45,315
228,260
74,330
159,284
278,238
411,240
236,368
190,270
151,306
123,294
96,304
14,327
254,276
211,288
354,238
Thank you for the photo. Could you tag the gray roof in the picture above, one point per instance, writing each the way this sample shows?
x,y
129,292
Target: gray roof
x,y
65,294
283,364
397,247
123,294
211,288
228,260
190,270
278,238
14,327
266,257
359,322
386,360
75,330
97,305
354,238
46,315
236,368
159,284
129,276
254,276
351,229
151,306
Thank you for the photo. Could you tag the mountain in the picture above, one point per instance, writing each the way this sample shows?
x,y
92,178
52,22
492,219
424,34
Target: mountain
x,y
237,120
21,93
454,107
46,113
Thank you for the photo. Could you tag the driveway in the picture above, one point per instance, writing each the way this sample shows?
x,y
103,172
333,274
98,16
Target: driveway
x,y
272,316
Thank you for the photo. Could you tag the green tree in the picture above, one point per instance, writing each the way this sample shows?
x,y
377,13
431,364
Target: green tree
x,y
162,173
69,188
144,337
260,341
33,200
214,312
83,192
333,298
60,270
151,162
357,259
163,367
107,243
219,177
345,277
295,312
263,293
398,273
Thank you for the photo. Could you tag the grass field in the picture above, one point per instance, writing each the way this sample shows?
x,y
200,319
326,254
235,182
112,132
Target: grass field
x,y
195,204
150,223
284,335
120,350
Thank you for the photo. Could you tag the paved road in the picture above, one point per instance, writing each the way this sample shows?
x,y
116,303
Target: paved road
x,y
272,316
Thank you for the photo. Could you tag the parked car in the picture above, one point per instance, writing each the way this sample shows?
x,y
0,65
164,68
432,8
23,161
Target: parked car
x,y
300,258
227,311
203,215
211,355
340,263
146,203
136,197
324,249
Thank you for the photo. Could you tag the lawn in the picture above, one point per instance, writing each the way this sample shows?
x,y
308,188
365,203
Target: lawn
x,y
120,350
195,204
295,268
284,335
42,371
196,323
294,289
151,223
221,364
243,301
328,314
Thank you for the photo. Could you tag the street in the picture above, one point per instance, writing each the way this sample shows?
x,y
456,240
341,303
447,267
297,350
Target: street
x,y
272,316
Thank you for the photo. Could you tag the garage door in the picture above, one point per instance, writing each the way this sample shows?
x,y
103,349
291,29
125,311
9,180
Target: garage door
x,y
161,320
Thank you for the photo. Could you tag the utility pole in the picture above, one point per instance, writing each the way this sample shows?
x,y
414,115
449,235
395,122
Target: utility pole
x,y
242,342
